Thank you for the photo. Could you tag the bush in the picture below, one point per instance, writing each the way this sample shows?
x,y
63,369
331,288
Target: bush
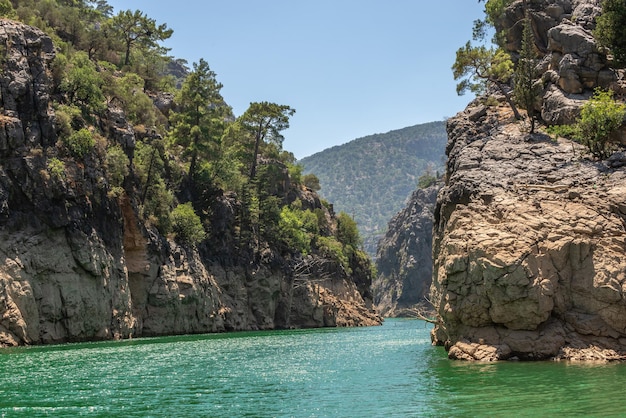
x,y
187,224
56,168
117,164
330,248
297,227
82,83
312,182
295,173
599,119
347,231
80,143
426,180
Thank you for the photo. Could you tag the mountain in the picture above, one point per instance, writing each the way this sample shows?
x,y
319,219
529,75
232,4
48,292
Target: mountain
x,y
370,178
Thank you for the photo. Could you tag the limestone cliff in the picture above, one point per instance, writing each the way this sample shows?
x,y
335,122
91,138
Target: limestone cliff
x,y
78,263
404,257
530,232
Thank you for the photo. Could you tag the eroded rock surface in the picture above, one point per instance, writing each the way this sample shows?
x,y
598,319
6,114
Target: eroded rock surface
x,y
404,259
530,245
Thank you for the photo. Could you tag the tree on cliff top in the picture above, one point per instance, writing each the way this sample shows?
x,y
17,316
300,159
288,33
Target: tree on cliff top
x,y
478,67
199,122
135,28
264,122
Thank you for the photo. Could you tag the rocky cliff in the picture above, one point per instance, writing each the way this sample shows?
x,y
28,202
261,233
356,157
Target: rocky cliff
x,y
404,257
530,232
78,263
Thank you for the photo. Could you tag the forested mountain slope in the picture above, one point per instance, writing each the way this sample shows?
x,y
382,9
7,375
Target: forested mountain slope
x,y
370,178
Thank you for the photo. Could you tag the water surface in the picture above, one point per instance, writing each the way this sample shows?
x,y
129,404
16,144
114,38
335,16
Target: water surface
x,y
388,371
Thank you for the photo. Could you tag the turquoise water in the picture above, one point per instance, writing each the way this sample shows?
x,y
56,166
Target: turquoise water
x,y
388,371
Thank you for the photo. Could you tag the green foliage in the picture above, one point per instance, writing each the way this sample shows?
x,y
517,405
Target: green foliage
x,y
157,206
68,119
524,77
329,247
83,84
187,224
117,164
262,124
564,131
347,231
599,119
312,182
476,66
426,180
295,173
137,105
372,176
135,29
610,30
494,9
56,168
292,230
79,143
198,125
7,10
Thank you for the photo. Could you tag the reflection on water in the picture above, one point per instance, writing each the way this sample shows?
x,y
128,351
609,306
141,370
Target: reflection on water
x,y
380,371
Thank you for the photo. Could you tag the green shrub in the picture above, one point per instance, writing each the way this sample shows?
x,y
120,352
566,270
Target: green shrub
x,y
347,231
563,131
599,119
68,119
7,10
295,173
117,164
297,227
157,207
80,143
426,180
56,168
610,31
83,84
330,248
187,224
312,182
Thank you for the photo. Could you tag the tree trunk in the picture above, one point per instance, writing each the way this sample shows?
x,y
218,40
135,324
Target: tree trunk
x,y
508,99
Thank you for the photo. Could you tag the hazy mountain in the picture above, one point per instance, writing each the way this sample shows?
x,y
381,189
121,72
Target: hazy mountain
x,y
370,178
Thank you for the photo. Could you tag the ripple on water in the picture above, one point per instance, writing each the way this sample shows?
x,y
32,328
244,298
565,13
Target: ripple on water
x,y
379,371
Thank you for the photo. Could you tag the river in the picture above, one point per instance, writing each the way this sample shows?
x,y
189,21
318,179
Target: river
x,y
387,371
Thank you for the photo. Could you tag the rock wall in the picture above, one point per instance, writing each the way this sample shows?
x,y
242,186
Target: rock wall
x,y
530,244
530,233
77,264
404,257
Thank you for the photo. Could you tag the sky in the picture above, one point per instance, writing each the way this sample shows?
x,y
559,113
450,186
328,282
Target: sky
x,y
350,68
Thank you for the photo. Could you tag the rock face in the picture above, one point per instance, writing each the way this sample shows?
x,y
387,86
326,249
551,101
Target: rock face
x,y
572,64
530,245
77,264
530,233
404,259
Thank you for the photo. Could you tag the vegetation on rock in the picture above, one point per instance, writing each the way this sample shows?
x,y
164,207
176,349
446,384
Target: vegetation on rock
x,y
611,29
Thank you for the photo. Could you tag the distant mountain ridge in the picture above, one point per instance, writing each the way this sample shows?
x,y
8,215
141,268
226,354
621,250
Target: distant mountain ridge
x,y
371,177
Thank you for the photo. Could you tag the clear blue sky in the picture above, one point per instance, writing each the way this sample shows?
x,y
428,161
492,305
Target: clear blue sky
x,y
350,68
